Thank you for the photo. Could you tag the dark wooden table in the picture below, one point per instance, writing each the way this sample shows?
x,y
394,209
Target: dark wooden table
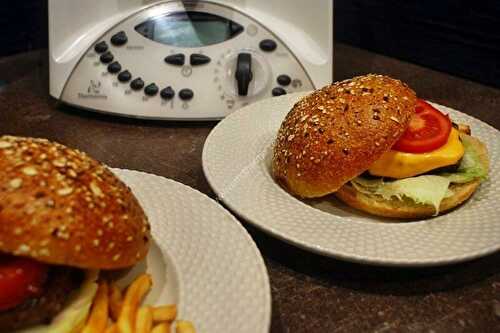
x,y
310,293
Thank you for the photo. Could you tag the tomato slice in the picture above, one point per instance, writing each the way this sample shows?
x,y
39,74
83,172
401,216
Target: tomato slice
x,y
428,130
20,278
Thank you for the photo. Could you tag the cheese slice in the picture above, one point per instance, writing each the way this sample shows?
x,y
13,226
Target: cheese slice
x,y
396,164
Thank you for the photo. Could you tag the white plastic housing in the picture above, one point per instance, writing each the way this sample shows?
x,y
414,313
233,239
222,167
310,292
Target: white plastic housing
x,y
303,31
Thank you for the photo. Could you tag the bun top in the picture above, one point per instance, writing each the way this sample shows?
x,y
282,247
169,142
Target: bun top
x,y
336,133
59,206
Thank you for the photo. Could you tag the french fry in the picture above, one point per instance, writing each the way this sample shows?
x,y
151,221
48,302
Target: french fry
x,y
127,316
164,313
112,329
98,318
161,328
184,326
115,301
133,297
144,320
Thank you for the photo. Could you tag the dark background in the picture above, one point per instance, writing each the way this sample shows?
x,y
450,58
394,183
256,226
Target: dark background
x,y
454,36
23,26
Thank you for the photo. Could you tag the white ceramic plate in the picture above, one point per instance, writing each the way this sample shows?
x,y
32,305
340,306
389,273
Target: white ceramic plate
x,y
202,259
236,162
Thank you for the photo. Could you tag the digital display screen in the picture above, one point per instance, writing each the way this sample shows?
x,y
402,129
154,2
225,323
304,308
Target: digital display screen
x,y
189,29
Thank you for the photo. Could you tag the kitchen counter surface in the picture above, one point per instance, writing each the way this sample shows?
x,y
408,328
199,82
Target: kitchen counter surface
x,y
310,293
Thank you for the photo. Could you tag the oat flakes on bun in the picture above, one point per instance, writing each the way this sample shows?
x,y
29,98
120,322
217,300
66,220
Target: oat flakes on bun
x,y
377,147
63,217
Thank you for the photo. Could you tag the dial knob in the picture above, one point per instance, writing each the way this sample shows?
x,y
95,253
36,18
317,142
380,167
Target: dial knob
x,y
246,74
243,73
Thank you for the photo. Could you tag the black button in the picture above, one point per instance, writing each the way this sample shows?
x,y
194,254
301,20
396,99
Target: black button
x,y
198,59
186,94
284,80
124,76
101,47
106,57
119,38
151,89
167,93
137,84
114,67
278,91
175,59
268,45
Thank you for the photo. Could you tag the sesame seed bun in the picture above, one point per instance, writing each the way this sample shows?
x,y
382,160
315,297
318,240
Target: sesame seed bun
x,y
408,209
60,206
336,133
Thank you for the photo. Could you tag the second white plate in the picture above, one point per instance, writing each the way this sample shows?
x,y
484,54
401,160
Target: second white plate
x,y
202,259
237,163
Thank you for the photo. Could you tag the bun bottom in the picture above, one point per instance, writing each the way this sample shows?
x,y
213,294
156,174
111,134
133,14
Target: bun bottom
x,y
405,209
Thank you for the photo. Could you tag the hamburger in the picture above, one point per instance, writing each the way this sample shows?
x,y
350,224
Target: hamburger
x,y
378,148
63,218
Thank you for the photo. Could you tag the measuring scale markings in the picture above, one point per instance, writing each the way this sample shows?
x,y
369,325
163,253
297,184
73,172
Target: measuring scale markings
x,y
186,71
230,103
135,47
166,103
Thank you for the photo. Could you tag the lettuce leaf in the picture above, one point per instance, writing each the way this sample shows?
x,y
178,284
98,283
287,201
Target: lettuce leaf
x,y
470,167
74,313
427,189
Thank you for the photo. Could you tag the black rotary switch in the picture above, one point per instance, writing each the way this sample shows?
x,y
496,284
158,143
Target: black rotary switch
x,y
101,47
243,73
151,89
119,38
167,93
107,57
124,76
137,84
114,67
278,91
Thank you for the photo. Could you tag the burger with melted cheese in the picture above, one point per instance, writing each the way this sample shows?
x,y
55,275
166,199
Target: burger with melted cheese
x,y
378,148
63,217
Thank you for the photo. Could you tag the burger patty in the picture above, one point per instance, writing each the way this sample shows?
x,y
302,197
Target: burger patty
x,y
61,281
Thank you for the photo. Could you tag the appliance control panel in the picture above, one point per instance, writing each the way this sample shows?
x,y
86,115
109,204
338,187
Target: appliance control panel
x,y
184,62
